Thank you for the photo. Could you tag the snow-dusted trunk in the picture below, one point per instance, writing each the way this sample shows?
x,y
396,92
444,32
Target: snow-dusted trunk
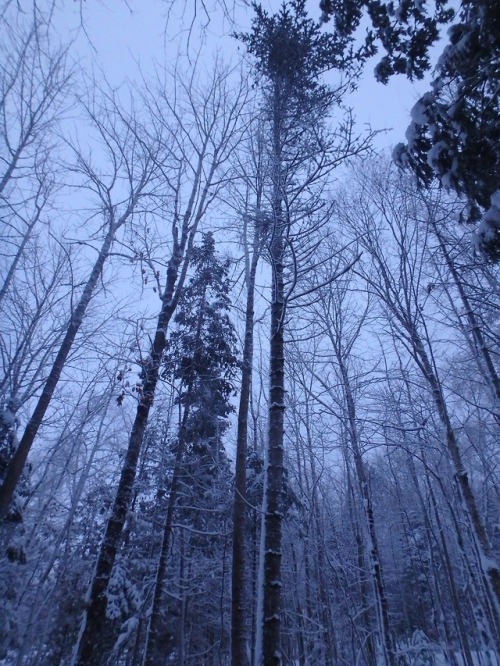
x,y
88,649
273,497
152,651
473,327
454,594
273,502
38,605
18,461
462,478
367,645
17,258
239,601
386,642
330,652
397,289
444,623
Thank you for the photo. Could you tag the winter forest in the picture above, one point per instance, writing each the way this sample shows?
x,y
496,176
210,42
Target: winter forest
x,y
250,385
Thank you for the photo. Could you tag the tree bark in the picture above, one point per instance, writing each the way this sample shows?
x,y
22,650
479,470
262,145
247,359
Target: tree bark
x,y
239,602
87,649
273,501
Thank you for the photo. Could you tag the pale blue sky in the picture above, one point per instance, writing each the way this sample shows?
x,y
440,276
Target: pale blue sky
x,y
120,36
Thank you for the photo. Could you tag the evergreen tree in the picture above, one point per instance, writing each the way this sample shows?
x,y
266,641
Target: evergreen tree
x,y
455,132
406,30
202,350
291,52
202,357
455,129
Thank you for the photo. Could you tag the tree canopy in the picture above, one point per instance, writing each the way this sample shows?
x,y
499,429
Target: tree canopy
x,y
455,129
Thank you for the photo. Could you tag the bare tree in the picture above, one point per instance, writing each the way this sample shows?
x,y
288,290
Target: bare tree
x,y
440,213
133,163
389,212
342,330
34,85
204,122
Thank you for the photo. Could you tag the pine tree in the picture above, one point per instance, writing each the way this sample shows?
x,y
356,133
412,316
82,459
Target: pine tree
x,y
406,30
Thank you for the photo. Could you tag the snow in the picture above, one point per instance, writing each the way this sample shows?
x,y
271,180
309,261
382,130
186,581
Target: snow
x,y
400,155
488,563
419,650
435,153
411,134
419,111
9,418
489,227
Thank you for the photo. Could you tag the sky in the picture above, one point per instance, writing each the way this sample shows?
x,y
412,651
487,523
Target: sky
x,y
124,38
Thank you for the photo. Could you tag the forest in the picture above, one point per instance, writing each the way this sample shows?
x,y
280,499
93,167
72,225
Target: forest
x,y
250,385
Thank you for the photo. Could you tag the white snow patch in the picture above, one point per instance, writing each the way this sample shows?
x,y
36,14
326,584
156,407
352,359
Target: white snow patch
x,y
489,228
435,152
419,111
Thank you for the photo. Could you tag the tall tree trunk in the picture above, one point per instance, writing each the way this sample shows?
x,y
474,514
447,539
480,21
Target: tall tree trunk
x,y
470,504
405,311
473,325
273,501
87,650
386,642
367,646
18,461
239,601
455,599
152,652
38,605
17,258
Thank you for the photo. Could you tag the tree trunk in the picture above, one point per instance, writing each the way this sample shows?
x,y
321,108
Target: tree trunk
x,y
474,327
18,461
373,549
239,602
87,650
17,258
461,475
455,599
152,652
273,502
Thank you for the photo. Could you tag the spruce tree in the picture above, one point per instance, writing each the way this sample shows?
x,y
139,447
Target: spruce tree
x,y
202,357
